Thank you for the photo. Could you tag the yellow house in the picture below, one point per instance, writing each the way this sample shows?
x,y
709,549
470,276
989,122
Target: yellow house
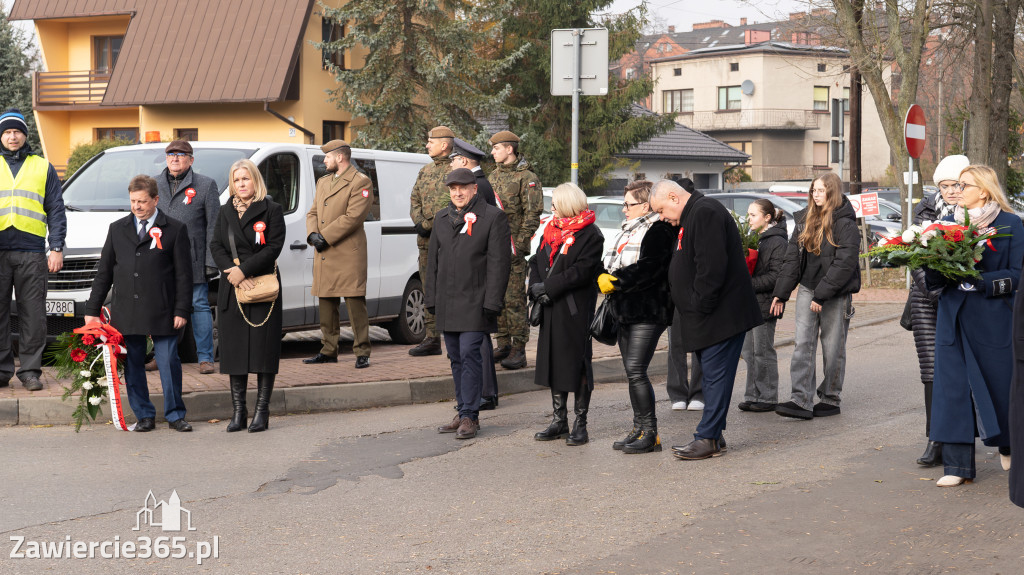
x,y
152,70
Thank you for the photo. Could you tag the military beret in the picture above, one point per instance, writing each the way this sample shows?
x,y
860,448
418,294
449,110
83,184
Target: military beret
x,y
503,137
464,148
460,176
333,145
179,146
441,132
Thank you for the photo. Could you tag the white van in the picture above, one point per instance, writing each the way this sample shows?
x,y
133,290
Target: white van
x,y
97,194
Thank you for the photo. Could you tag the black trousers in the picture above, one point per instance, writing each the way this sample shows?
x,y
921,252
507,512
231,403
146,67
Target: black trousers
x,y
637,343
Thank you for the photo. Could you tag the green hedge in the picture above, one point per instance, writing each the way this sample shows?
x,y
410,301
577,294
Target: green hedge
x,y
84,152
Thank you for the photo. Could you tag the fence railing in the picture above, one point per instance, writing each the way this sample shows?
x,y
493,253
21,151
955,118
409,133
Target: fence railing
x,y
69,88
756,119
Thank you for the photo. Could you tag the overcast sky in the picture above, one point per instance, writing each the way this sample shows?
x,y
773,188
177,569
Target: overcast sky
x,y
684,13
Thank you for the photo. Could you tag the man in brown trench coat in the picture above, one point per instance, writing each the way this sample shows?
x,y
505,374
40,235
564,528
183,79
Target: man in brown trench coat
x,y
335,227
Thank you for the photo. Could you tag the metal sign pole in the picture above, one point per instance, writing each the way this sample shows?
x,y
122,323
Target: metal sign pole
x,y
910,205
577,34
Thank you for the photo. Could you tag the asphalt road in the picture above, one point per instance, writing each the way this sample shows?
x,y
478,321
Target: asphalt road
x,y
378,491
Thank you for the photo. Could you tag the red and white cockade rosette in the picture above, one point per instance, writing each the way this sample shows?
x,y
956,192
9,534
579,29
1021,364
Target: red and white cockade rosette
x,y
679,243
259,228
470,219
189,194
569,241
110,344
156,233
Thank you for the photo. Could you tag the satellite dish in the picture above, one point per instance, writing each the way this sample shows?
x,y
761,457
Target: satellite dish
x,y
747,87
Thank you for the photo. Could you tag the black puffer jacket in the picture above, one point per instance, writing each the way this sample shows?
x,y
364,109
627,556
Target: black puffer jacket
x,y
924,303
834,272
643,295
771,254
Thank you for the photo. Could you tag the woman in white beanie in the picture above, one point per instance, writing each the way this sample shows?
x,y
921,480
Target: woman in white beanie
x,y
924,303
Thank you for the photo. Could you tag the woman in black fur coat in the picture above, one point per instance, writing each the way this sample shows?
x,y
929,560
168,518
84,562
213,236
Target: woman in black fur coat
x,y
636,281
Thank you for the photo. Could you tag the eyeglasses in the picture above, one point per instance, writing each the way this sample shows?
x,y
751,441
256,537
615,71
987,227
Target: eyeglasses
x,y
962,186
627,205
177,155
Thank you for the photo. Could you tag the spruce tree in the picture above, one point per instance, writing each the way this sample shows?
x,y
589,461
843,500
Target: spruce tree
x,y
429,63
608,124
17,60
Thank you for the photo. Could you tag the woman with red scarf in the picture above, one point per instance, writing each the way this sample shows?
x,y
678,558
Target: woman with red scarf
x,y
563,277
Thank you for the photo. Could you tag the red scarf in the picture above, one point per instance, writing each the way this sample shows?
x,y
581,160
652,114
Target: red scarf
x,y
560,229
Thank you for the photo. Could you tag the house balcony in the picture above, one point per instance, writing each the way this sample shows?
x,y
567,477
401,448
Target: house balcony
x,y
69,90
754,119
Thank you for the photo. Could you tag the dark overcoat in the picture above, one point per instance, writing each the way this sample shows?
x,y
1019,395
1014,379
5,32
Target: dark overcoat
x,y
564,348
198,215
973,356
243,348
151,284
467,274
642,294
709,278
1016,419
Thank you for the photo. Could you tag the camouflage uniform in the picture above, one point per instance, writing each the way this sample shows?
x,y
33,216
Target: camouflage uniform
x,y
519,193
429,196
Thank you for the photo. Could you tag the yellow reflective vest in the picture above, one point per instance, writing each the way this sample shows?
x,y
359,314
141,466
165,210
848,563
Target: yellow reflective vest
x,y
21,198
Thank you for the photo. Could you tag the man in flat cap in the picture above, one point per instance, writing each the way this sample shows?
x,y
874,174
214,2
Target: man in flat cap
x,y
430,195
517,190
194,200
466,155
335,226
29,183
467,275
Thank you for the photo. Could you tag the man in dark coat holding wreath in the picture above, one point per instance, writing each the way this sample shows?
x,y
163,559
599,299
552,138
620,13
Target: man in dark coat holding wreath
x,y
467,275
714,298
147,258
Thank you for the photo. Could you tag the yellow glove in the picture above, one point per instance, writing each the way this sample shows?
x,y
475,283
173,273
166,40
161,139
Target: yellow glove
x,y
604,281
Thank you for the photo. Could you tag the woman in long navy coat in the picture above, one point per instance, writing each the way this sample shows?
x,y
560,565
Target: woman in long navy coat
x,y
973,355
563,278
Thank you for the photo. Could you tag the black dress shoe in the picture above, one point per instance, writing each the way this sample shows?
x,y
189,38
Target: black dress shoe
x,y
321,358
697,449
488,403
180,425
362,361
32,383
791,409
5,382
145,424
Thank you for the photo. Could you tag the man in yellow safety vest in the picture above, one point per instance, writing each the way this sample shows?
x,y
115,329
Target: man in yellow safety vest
x,y
30,206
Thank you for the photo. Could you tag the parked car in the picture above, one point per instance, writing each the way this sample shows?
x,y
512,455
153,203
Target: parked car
x,y
96,195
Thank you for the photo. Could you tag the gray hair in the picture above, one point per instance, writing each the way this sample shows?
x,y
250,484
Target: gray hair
x,y
665,186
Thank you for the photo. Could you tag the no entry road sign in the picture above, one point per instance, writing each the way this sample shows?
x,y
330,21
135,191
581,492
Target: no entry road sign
x,y
914,131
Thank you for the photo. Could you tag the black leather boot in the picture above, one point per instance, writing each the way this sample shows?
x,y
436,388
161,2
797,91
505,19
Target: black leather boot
x,y
429,346
630,438
559,427
932,455
579,427
516,358
238,385
646,443
502,352
265,387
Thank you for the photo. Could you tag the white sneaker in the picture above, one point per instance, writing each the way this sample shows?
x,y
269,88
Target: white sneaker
x,y
695,406
679,406
951,481
1005,461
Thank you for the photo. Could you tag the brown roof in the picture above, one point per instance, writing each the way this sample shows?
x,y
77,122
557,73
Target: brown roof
x,y
231,50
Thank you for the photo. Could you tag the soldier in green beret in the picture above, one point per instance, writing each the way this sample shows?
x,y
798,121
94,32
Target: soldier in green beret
x,y
517,190
429,196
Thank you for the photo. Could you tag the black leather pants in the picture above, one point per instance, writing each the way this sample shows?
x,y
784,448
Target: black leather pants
x,y
637,343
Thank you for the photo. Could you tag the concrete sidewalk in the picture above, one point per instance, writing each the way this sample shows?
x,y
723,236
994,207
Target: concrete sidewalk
x,y
394,377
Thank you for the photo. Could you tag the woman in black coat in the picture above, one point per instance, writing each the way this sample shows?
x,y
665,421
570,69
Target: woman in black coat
x,y
636,285
924,303
563,277
762,392
250,334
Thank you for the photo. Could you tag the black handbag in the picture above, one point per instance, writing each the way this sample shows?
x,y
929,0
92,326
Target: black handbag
x,y
905,319
605,328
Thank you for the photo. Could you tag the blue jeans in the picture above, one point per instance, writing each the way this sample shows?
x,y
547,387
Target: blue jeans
x,y
166,349
958,459
202,321
467,369
719,362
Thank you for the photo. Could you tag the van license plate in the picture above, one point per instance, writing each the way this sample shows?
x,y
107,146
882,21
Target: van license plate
x,y
63,307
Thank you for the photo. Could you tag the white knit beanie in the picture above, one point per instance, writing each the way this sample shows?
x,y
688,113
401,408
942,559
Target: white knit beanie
x,y
949,168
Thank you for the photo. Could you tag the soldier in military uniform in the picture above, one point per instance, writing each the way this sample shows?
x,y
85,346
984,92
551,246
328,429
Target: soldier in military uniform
x,y
429,196
517,190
